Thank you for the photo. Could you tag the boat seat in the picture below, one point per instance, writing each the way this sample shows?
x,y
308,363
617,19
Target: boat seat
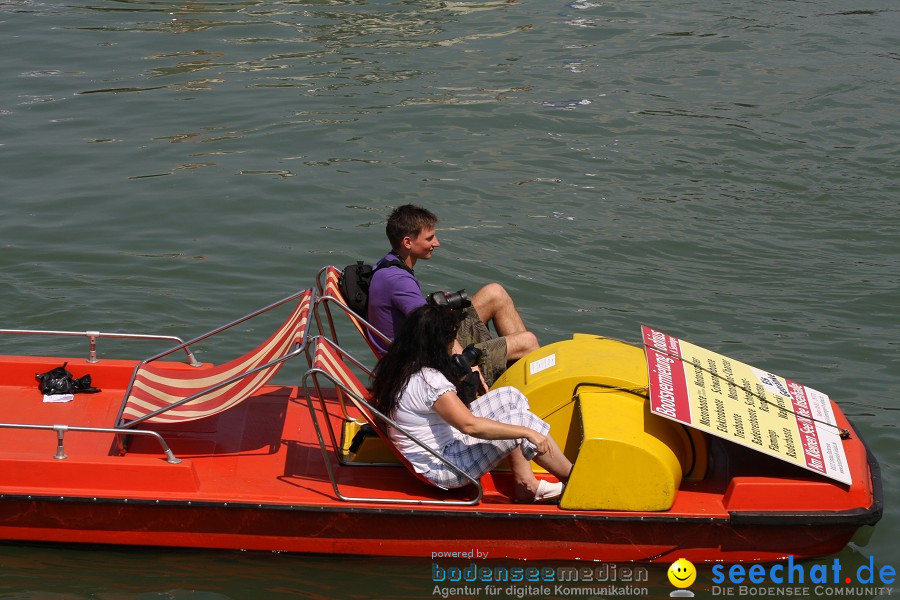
x,y
329,365
329,295
361,445
159,393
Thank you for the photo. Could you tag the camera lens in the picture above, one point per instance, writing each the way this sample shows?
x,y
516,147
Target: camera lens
x,y
455,300
471,355
463,362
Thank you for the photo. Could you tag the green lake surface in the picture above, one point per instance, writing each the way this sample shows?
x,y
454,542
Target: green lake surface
x,y
726,172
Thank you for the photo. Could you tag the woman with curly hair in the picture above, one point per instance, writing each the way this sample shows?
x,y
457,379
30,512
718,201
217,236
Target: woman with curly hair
x,y
414,386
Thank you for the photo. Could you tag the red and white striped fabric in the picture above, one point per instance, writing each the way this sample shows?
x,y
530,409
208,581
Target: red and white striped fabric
x,y
328,359
156,386
332,276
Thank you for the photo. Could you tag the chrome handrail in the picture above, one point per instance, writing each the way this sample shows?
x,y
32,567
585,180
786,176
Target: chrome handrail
x,y
62,429
94,335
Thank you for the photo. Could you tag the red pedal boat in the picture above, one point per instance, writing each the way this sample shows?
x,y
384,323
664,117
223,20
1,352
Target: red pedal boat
x,y
176,453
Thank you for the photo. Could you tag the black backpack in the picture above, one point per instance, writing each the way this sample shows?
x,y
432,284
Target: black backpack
x,y
354,283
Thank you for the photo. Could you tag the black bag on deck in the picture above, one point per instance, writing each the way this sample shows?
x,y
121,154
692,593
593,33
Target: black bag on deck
x,y
60,381
354,284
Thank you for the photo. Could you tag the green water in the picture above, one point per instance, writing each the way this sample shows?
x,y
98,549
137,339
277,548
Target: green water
x,y
725,172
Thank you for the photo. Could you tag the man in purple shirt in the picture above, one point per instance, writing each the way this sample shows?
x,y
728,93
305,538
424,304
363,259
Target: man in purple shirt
x,y
394,292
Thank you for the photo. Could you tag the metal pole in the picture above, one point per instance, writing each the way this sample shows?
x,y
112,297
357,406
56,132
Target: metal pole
x,y
60,433
92,338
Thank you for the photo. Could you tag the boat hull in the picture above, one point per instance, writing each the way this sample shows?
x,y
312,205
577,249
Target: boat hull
x,y
410,533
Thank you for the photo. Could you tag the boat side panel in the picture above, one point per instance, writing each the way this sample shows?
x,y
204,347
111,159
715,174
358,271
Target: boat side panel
x,y
405,533
101,476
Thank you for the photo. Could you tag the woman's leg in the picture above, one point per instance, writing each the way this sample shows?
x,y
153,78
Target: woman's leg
x,y
555,461
509,405
526,482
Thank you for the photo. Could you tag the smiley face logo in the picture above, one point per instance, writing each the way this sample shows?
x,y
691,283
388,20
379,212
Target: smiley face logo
x,y
682,573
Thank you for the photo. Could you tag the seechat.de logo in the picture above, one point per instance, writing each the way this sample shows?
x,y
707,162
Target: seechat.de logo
x,y
798,579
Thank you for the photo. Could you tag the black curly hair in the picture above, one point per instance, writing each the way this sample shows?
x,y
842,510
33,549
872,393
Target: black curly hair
x,y
423,341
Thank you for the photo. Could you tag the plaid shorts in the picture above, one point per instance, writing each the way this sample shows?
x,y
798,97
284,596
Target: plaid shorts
x,y
476,456
493,360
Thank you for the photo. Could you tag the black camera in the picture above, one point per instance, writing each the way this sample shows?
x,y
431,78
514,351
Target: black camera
x,y
467,379
455,300
463,363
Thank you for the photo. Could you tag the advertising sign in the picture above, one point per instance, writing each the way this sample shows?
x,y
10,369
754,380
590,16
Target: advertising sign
x,y
750,406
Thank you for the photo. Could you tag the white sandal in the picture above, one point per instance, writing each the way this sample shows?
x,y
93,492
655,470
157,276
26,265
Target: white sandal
x,y
547,492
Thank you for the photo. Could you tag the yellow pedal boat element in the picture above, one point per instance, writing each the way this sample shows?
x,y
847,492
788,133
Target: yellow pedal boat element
x,y
592,390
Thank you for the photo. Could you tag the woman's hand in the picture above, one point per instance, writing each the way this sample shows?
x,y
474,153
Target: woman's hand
x,y
484,385
541,442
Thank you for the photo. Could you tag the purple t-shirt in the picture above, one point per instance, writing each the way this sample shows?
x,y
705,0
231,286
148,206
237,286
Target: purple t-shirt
x,y
394,292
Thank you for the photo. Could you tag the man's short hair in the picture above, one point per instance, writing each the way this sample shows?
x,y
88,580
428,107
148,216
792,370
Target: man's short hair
x,y
408,220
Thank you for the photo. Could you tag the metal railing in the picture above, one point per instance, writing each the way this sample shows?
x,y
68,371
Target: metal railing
x,y
93,336
62,429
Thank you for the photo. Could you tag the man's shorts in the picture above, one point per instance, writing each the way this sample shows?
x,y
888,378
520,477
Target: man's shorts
x,y
493,360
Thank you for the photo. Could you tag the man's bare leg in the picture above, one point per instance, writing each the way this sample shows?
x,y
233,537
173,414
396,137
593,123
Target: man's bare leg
x,y
493,303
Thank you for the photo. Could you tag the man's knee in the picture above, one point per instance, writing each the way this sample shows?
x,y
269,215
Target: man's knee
x,y
520,344
494,291
490,299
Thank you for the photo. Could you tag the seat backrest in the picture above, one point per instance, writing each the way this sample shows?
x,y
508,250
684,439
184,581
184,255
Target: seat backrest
x,y
160,394
330,295
329,360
